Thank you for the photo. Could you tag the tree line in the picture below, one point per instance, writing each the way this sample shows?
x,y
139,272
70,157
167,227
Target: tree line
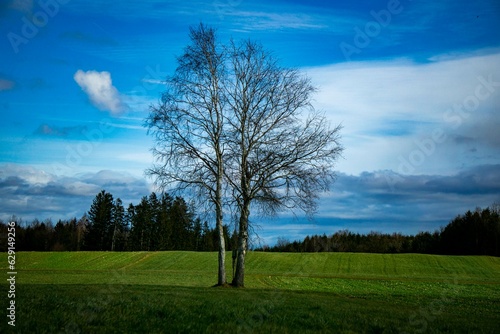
x,y
474,233
157,223
162,222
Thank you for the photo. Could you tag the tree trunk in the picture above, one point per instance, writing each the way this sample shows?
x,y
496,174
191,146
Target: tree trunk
x,y
239,278
221,280
113,240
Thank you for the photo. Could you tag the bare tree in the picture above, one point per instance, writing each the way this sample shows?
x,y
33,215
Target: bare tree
x,y
188,128
279,155
233,120
495,207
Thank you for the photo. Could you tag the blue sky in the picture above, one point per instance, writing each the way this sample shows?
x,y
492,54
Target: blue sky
x,y
416,85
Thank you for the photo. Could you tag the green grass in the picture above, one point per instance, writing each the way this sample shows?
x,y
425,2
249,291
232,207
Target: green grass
x,y
170,292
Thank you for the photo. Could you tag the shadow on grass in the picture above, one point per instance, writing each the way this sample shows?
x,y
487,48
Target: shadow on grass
x,y
148,308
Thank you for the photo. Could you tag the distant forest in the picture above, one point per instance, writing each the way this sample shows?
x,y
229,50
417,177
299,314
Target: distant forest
x,y
474,233
157,223
160,223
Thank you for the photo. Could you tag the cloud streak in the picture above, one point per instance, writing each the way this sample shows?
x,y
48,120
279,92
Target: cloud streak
x,y
31,193
46,130
382,201
100,90
6,84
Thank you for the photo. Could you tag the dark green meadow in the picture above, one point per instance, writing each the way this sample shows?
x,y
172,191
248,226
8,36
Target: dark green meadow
x,y
170,292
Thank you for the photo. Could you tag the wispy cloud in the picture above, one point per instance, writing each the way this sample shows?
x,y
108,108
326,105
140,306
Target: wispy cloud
x,y
100,90
381,200
25,6
154,81
46,130
32,193
87,38
251,20
6,84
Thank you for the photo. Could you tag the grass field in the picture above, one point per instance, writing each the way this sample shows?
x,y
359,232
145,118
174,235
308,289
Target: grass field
x,y
170,292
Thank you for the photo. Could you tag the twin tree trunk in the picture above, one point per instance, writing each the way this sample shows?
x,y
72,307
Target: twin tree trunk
x,y
231,125
239,277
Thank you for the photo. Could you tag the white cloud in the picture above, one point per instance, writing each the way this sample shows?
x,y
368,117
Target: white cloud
x,y
29,174
388,107
99,87
154,81
33,193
